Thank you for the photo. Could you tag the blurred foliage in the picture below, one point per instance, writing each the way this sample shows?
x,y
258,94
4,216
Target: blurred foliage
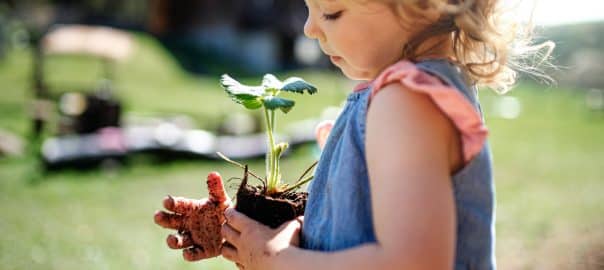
x,y
579,54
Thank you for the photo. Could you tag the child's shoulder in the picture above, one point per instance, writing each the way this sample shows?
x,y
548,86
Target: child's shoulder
x,y
428,91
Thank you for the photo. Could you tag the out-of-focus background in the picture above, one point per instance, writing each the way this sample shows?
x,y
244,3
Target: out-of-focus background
x,y
106,106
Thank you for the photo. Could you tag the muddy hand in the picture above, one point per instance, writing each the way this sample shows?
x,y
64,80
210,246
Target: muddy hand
x,y
198,222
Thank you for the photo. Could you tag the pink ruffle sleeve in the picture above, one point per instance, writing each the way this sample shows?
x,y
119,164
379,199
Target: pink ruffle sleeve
x,y
449,100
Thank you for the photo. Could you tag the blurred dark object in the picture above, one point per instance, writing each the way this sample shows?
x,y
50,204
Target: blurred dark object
x,y
249,37
3,31
237,36
88,113
39,14
10,144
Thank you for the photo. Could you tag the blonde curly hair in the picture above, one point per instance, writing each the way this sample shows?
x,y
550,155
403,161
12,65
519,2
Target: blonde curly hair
x,y
488,46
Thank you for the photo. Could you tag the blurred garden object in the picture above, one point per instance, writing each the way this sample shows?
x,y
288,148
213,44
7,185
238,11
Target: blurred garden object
x,y
10,144
81,113
88,122
165,137
168,137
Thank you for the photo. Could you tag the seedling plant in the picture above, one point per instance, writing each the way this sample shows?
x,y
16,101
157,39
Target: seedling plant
x,y
266,97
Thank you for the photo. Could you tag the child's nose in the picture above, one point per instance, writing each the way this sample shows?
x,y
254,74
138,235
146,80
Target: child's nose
x,y
310,29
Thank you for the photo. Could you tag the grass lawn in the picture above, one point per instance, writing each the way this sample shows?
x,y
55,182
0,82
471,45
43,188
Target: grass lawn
x,y
549,169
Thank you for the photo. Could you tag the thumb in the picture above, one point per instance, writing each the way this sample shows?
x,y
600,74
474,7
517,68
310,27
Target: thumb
x,y
292,228
292,225
300,221
216,188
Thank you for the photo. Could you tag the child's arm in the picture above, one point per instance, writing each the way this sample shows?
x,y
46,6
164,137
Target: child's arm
x,y
411,149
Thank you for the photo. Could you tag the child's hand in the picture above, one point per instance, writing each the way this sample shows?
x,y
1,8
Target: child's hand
x,y
198,222
322,132
251,245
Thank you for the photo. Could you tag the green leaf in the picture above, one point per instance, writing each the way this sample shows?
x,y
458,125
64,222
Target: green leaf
x,y
249,96
283,104
298,85
271,82
251,104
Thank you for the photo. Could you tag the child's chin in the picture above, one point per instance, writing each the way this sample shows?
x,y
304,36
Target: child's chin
x,y
355,75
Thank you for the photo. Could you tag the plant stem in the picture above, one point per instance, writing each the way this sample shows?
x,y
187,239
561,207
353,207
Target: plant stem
x,y
275,172
307,171
270,153
299,184
276,157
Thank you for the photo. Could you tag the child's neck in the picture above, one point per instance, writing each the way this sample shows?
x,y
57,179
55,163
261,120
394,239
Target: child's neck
x,y
437,47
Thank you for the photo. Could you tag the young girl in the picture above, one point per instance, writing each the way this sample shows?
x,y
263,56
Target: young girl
x,y
404,180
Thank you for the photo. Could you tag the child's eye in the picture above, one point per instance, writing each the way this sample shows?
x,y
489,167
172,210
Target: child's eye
x,y
332,16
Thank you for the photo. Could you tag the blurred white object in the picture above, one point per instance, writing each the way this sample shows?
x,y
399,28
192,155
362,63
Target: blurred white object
x,y
73,104
99,41
507,107
10,144
200,142
595,99
238,124
168,134
307,51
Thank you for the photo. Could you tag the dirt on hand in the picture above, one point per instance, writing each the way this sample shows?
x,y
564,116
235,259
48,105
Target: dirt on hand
x,y
198,222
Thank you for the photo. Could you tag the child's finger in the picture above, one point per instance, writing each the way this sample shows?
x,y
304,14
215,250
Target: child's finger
x,y
181,205
169,221
195,253
322,132
229,234
229,252
238,220
179,241
216,188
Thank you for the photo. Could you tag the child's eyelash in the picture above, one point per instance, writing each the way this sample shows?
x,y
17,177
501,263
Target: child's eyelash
x,y
332,16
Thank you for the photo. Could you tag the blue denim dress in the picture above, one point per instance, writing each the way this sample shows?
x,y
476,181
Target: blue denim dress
x,y
338,212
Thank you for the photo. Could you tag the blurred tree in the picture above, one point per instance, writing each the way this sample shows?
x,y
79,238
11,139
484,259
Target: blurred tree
x,y
579,54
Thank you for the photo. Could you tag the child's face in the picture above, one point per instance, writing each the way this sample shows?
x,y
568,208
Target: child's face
x,y
361,39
